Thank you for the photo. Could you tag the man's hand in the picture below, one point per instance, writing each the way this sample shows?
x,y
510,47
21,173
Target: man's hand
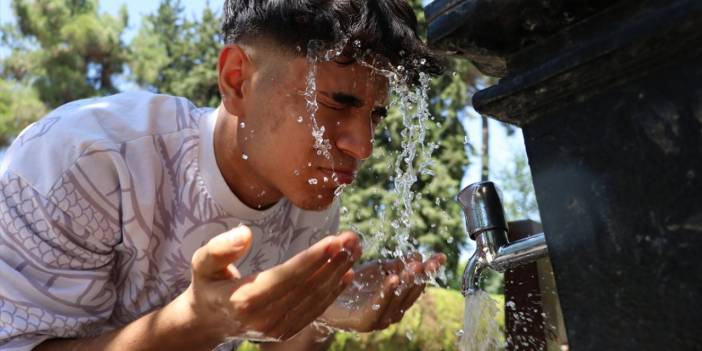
x,y
381,293
271,305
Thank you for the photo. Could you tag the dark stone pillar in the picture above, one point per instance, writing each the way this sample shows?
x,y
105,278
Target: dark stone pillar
x,y
609,97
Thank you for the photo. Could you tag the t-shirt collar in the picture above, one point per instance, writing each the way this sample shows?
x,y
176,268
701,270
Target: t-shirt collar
x,y
214,180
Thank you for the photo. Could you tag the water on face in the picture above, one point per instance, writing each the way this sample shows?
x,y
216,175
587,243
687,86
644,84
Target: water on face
x,y
413,159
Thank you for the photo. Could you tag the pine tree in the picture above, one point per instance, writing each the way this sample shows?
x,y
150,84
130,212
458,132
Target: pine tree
x,y
176,55
60,51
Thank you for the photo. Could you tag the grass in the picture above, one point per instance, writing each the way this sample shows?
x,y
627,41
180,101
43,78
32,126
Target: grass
x,y
430,325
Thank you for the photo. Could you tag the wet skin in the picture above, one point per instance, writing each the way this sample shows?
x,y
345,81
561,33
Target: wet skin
x,y
280,154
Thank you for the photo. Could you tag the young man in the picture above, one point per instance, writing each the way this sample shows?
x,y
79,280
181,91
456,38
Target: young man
x,y
139,222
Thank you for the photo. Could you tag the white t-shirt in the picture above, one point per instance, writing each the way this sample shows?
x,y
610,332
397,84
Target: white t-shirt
x,y
103,203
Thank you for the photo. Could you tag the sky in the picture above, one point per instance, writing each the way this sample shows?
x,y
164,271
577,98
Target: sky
x,y
503,148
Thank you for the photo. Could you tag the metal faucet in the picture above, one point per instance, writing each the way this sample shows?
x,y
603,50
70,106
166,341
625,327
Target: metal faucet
x,y
485,223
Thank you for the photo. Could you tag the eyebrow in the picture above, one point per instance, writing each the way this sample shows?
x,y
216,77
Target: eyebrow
x,y
353,101
345,99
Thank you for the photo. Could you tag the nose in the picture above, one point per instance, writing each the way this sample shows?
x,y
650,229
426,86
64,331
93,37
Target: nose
x,y
354,136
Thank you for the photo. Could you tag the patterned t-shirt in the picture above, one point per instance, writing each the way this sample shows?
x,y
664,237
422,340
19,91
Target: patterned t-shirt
x,y
103,203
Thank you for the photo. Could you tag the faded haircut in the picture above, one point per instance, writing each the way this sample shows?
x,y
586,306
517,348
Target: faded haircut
x,y
384,31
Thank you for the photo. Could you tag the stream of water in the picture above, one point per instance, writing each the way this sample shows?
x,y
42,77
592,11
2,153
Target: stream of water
x,y
480,329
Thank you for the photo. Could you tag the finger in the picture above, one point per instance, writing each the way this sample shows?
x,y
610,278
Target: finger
x,y
412,296
393,266
326,279
279,280
211,261
307,262
398,295
380,302
309,309
432,265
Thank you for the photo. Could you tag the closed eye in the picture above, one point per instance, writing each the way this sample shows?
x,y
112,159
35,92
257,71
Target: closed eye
x,y
378,114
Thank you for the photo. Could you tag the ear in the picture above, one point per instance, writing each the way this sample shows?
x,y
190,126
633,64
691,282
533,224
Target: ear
x,y
234,74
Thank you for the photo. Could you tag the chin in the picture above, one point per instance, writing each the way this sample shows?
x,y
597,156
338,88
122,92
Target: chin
x,y
312,201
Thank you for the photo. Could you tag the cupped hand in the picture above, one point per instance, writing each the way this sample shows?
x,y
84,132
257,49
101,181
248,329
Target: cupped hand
x,y
381,293
273,304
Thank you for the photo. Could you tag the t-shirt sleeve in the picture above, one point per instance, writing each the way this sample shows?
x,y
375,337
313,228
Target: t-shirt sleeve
x,y
56,255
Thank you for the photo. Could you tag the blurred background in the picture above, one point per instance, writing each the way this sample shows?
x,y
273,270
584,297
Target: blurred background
x,y
56,51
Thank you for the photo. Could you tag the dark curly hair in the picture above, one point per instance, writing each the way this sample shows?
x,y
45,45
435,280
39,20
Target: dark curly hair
x,y
385,29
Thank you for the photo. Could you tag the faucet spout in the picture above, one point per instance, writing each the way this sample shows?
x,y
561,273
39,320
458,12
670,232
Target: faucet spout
x,y
471,275
486,224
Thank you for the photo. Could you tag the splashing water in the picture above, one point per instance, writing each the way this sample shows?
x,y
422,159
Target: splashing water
x,y
322,145
413,105
480,329
413,160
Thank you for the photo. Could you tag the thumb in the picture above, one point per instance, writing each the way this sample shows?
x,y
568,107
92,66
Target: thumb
x,y
211,261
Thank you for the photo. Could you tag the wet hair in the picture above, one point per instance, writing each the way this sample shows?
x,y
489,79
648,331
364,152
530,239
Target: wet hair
x,y
384,31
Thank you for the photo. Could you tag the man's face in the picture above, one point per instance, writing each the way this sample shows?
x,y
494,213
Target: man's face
x,y
277,137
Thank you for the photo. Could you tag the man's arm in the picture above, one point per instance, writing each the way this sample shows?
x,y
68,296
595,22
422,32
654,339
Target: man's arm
x,y
168,328
275,304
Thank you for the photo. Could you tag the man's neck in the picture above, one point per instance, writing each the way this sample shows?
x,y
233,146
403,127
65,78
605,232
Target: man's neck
x,y
238,173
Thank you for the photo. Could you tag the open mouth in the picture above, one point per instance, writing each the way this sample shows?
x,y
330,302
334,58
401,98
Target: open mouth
x,y
340,177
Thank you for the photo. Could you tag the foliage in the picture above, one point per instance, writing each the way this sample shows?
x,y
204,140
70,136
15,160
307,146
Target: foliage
x,y
431,324
176,55
60,51
19,106
519,199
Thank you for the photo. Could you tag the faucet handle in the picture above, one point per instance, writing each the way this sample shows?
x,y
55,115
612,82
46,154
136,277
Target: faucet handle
x,y
482,208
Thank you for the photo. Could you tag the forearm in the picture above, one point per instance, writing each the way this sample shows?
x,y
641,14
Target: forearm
x,y
309,339
167,328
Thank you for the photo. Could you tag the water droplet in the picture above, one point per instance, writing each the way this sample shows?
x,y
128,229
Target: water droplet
x,y
312,181
296,172
423,61
375,307
245,156
242,125
339,190
300,119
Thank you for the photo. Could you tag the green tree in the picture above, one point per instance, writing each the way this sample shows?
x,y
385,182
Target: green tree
x,y
59,51
176,55
519,199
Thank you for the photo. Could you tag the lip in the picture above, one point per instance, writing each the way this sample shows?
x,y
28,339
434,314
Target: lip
x,y
340,176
